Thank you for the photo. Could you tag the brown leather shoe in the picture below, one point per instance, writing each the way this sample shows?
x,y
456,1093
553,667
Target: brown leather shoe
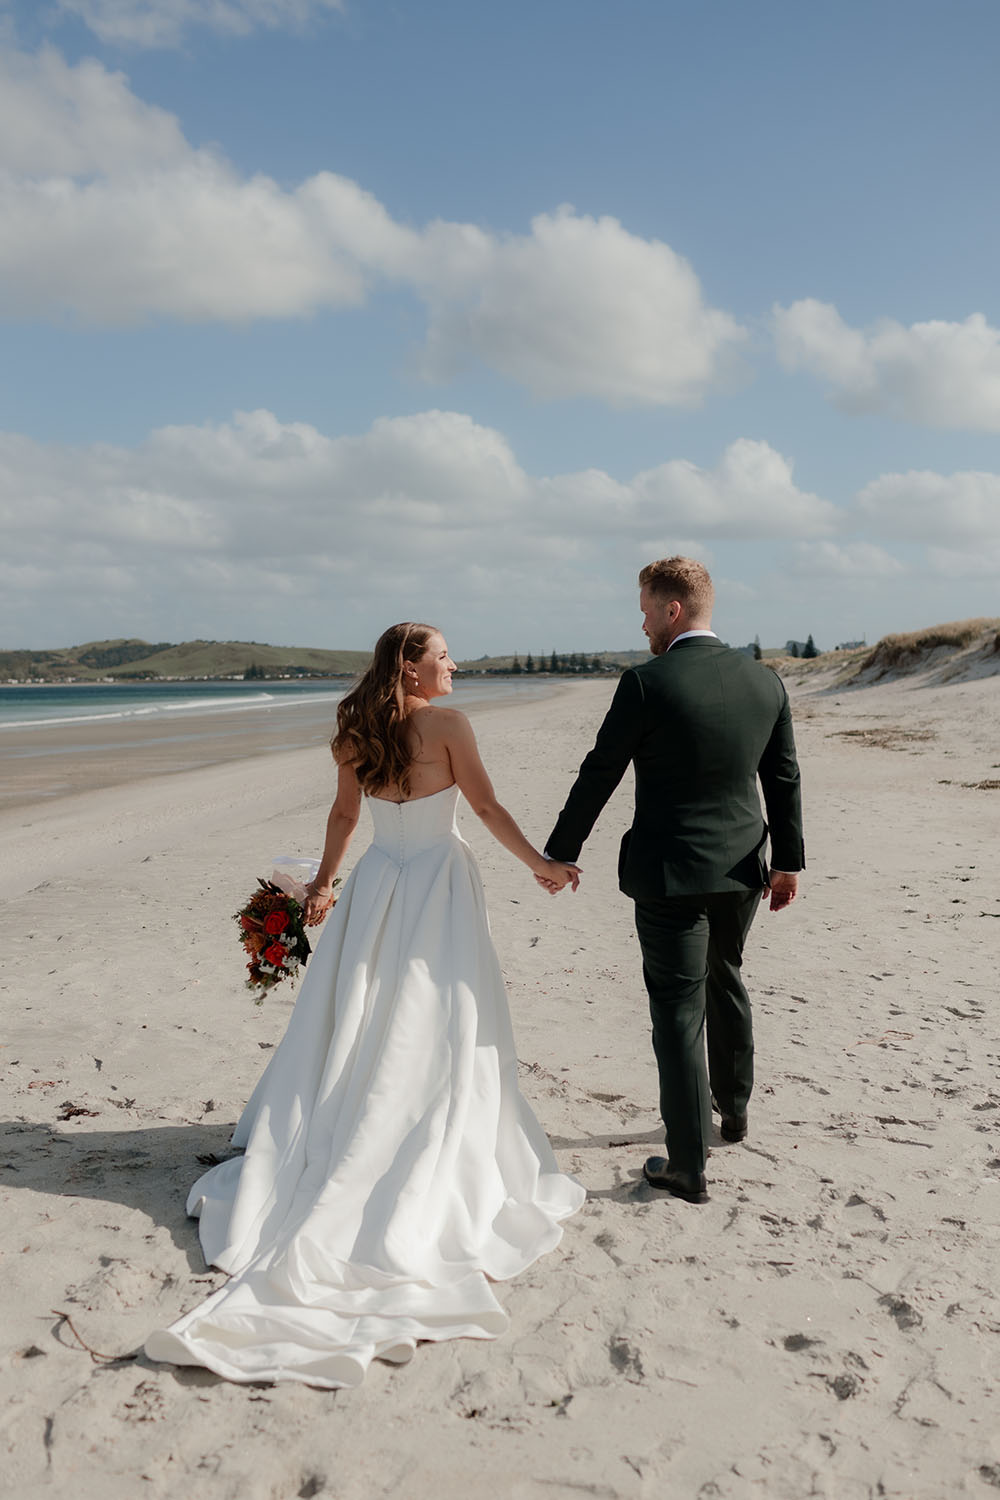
x,y
687,1185
733,1127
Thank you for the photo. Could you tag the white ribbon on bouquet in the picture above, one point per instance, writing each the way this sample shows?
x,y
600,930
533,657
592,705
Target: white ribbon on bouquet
x,y
292,873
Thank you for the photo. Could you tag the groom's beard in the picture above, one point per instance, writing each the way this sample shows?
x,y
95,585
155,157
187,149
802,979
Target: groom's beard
x,y
658,644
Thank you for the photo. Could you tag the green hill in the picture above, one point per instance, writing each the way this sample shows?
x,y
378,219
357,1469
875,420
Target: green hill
x,y
134,658
229,658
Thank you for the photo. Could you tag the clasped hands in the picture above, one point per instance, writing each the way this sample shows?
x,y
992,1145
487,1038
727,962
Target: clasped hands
x,y
558,875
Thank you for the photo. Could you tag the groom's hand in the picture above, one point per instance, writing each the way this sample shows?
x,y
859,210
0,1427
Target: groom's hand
x,y
558,875
782,889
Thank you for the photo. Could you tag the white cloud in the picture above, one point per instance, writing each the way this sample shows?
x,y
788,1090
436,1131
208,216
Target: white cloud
x,y
923,506
193,241
981,563
199,525
850,560
750,493
162,23
956,516
58,119
939,374
109,215
580,307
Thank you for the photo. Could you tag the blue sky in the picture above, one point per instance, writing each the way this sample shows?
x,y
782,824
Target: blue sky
x,y
317,316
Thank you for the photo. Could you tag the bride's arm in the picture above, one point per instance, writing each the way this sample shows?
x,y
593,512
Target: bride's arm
x,y
340,825
477,789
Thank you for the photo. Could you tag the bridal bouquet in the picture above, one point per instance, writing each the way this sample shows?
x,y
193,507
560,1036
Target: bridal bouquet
x,y
272,933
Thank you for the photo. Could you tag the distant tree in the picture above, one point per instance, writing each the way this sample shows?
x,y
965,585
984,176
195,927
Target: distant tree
x,y
793,648
529,663
253,672
809,649
553,663
515,665
757,652
595,665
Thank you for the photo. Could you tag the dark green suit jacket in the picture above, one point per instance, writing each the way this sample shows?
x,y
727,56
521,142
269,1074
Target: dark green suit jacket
x,y
700,724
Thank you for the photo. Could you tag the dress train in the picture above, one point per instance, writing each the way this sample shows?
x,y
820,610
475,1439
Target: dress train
x,y
392,1169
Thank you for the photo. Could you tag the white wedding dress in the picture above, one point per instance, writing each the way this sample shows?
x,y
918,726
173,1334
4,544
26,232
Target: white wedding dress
x,y
391,1168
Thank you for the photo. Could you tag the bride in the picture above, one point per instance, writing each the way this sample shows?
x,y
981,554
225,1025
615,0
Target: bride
x,y
391,1168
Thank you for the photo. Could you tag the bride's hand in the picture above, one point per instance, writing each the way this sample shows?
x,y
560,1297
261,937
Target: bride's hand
x,y
317,904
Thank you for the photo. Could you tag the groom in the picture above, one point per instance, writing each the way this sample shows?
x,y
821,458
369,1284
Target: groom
x,y
700,723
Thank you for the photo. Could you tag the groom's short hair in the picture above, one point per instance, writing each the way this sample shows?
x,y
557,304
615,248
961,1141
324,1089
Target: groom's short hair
x,y
681,578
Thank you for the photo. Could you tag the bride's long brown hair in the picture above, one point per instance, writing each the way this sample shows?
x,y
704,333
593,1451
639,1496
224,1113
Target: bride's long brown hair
x,y
370,720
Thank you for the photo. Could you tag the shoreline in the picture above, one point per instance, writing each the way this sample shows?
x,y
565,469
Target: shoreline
x,y
43,765
70,835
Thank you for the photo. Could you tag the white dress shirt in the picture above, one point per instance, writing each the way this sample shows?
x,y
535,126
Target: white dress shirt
x,y
687,634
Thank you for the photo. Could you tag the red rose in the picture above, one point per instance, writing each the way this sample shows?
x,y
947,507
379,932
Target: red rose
x,y
276,922
275,954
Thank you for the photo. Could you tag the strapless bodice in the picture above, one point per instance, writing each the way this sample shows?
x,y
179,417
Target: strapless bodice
x,y
406,829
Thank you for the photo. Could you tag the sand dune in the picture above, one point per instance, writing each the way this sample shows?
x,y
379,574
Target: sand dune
x,y
962,651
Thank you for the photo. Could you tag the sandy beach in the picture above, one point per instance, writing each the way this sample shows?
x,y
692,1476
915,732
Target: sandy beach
x,y
42,762
827,1325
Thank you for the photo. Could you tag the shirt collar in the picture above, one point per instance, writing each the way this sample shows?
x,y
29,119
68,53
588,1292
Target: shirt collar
x,y
687,635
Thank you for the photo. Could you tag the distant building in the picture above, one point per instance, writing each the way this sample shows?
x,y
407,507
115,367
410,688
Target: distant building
x,y
849,645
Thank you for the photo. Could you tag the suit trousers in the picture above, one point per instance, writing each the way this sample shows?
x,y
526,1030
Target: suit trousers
x,y
692,953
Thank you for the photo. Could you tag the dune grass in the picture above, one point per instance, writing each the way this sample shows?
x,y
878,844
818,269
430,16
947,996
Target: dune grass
x,y
902,649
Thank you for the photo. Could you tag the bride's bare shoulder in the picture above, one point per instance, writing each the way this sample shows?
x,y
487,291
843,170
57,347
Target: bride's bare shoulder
x,y
441,722
449,715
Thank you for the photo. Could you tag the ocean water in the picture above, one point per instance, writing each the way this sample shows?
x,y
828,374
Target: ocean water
x,y
161,703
